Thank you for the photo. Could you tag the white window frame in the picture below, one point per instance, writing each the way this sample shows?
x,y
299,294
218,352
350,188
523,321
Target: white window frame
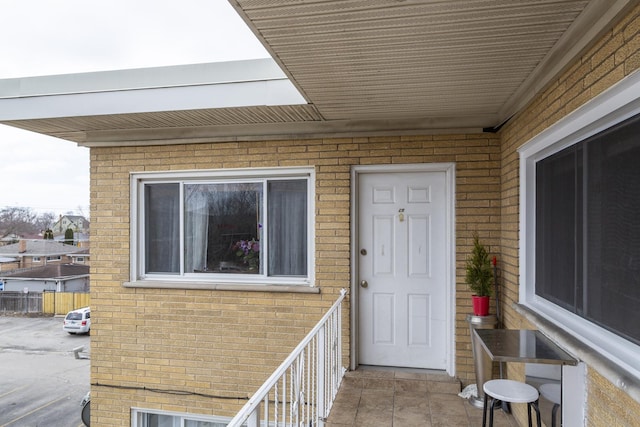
x,y
138,179
179,418
620,102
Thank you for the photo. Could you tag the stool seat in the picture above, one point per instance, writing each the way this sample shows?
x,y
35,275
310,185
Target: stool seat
x,y
551,392
511,391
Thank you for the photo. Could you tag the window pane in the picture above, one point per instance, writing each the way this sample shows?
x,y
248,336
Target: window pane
x,y
287,222
157,420
588,229
223,225
194,423
556,200
162,228
613,285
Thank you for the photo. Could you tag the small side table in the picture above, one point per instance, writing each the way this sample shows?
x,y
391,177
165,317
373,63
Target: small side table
x,y
482,364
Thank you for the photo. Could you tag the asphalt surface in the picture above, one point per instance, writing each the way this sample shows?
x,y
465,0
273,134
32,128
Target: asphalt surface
x,y
41,382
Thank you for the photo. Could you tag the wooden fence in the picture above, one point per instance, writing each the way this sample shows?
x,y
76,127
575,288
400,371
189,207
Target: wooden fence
x,y
53,303
20,302
63,302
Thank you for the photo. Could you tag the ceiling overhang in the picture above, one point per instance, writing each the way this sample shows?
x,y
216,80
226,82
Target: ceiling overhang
x,y
374,67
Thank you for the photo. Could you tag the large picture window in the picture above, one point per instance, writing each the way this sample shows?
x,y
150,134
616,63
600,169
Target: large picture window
x,y
249,227
588,229
580,228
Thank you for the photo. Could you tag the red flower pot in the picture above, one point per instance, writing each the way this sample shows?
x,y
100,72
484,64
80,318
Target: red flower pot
x,y
480,305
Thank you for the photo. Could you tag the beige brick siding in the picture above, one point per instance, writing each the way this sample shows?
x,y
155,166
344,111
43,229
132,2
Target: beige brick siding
x,y
614,56
225,344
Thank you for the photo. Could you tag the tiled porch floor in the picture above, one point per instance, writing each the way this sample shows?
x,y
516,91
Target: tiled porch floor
x,y
405,398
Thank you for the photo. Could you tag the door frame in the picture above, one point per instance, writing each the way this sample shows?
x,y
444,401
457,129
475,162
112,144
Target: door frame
x,y
449,170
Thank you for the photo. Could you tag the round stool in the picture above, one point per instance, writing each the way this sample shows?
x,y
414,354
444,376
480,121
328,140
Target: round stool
x,y
551,392
512,392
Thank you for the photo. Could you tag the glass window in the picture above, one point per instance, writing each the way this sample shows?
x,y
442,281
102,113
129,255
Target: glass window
x,y
162,212
230,228
143,418
223,227
287,209
588,229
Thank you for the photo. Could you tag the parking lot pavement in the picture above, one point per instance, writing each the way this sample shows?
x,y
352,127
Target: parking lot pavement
x,y
41,382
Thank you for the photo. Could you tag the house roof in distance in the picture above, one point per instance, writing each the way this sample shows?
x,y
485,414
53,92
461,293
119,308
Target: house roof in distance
x,y
51,271
40,247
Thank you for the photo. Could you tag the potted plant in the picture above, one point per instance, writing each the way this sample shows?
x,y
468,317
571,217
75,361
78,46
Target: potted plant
x,y
479,277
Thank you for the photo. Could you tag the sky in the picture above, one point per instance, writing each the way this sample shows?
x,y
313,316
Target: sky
x,y
46,37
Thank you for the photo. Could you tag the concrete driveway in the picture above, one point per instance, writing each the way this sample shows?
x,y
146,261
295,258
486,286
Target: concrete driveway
x,y
41,382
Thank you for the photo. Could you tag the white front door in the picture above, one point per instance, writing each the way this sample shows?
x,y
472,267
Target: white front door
x,y
402,247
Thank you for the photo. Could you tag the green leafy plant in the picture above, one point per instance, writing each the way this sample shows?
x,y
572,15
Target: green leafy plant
x,y
249,252
479,275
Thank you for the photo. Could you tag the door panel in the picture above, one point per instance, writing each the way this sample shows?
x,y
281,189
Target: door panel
x,y
418,233
402,311
384,236
383,318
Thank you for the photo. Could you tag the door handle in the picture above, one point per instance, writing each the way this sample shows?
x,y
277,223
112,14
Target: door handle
x,y
364,283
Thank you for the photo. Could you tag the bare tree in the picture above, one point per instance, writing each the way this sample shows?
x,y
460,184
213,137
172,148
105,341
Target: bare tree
x,y
45,221
20,221
16,220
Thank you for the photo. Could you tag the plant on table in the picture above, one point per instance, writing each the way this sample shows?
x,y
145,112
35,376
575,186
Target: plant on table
x,y
479,277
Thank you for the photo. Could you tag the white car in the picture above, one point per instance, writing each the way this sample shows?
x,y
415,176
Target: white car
x,y
78,321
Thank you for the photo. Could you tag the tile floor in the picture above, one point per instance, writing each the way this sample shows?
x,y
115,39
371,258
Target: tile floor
x,y
405,398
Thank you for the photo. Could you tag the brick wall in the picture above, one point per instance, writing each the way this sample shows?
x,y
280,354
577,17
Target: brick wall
x,y
226,343
614,56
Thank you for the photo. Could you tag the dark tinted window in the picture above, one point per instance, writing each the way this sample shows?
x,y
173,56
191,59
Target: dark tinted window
x,y
588,229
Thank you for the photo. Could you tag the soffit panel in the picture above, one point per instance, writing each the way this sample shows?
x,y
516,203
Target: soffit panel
x,y
389,59
68,127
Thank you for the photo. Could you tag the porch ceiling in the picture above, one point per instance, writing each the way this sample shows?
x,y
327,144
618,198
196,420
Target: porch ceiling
x,y
380,66
451,63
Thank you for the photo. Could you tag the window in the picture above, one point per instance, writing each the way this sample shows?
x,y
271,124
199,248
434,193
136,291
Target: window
x,y
232,226
36,259
588,229
54,258
144,418
579,230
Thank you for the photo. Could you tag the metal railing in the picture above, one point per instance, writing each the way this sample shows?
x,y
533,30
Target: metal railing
x,y
302,390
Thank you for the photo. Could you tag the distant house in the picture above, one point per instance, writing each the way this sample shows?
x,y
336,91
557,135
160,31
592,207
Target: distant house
x,y
9,238
38,253
77,223
80,257
51,278
8,263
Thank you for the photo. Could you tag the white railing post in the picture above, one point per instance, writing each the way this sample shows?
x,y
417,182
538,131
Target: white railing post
x,y
320,354
321,375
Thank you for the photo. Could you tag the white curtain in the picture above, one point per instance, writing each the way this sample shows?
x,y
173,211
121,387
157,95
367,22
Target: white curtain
x,y
196,229
287,222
